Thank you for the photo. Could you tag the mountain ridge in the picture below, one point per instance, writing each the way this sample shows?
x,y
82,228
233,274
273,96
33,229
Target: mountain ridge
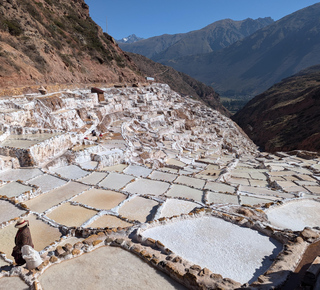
x,y
251,65
285,117
214,36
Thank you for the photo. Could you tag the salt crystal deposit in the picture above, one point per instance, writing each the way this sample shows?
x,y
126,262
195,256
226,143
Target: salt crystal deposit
x,y
166,182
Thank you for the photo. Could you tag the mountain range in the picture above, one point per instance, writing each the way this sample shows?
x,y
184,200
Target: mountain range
x,y
251,65
129,39
213,37
241,59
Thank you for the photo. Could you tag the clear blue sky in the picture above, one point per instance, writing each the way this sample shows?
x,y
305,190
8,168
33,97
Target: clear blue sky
x,y
147,18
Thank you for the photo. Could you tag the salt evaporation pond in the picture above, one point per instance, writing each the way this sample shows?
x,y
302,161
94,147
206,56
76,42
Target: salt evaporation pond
x,y
295,215
13,283
106,268
202,241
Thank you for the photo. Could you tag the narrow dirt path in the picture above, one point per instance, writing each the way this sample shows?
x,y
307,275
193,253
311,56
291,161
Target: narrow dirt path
x,y
295,278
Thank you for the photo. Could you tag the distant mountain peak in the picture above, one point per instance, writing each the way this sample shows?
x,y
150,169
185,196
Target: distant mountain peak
x,y
130,39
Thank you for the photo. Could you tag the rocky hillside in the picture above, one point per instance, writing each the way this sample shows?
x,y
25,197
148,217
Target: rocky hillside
x,y
213,37
56,41
286,117
252,65
179,82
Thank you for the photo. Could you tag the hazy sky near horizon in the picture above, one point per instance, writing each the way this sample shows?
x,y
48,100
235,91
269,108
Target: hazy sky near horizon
x,y
147,18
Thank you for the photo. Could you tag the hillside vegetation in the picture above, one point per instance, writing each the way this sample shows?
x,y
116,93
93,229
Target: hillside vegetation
x,y
285,117
49,41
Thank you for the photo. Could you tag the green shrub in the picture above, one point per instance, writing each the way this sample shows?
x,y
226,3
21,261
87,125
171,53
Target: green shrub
x,y
13,27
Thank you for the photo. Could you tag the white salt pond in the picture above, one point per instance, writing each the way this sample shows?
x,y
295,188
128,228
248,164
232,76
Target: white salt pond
x,y
115,168
13,283
71,172
146,186
14,188
55,196
106,268
71,216
138,171
116,181
100,198
190,181
47,182
219,187
8,211
164,176
185,192
110,222
202,241
177,207
20,174
295,215
220,198
138,208
94,178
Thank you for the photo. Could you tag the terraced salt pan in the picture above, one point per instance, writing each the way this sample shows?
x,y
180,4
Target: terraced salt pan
x,y
177,207
116,181
264,191
89,165
47,200
258,175
306,183
116,168
250,200
146,186
71,172
168,169
100,198
185,192
295,215
20,174
110,222
314,189
176,162
47,182
71,216
8,211
94,178
258,183
290,186
281,173
138,208
42,235
240,174
247,254
190,181
164,176
138,171
188,171
114,268
220,187
305,177
13,283
210,172
215,197
23,144
237,180
13,188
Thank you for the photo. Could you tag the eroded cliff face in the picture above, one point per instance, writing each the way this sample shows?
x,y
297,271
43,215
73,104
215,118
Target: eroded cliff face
x,y
56,41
